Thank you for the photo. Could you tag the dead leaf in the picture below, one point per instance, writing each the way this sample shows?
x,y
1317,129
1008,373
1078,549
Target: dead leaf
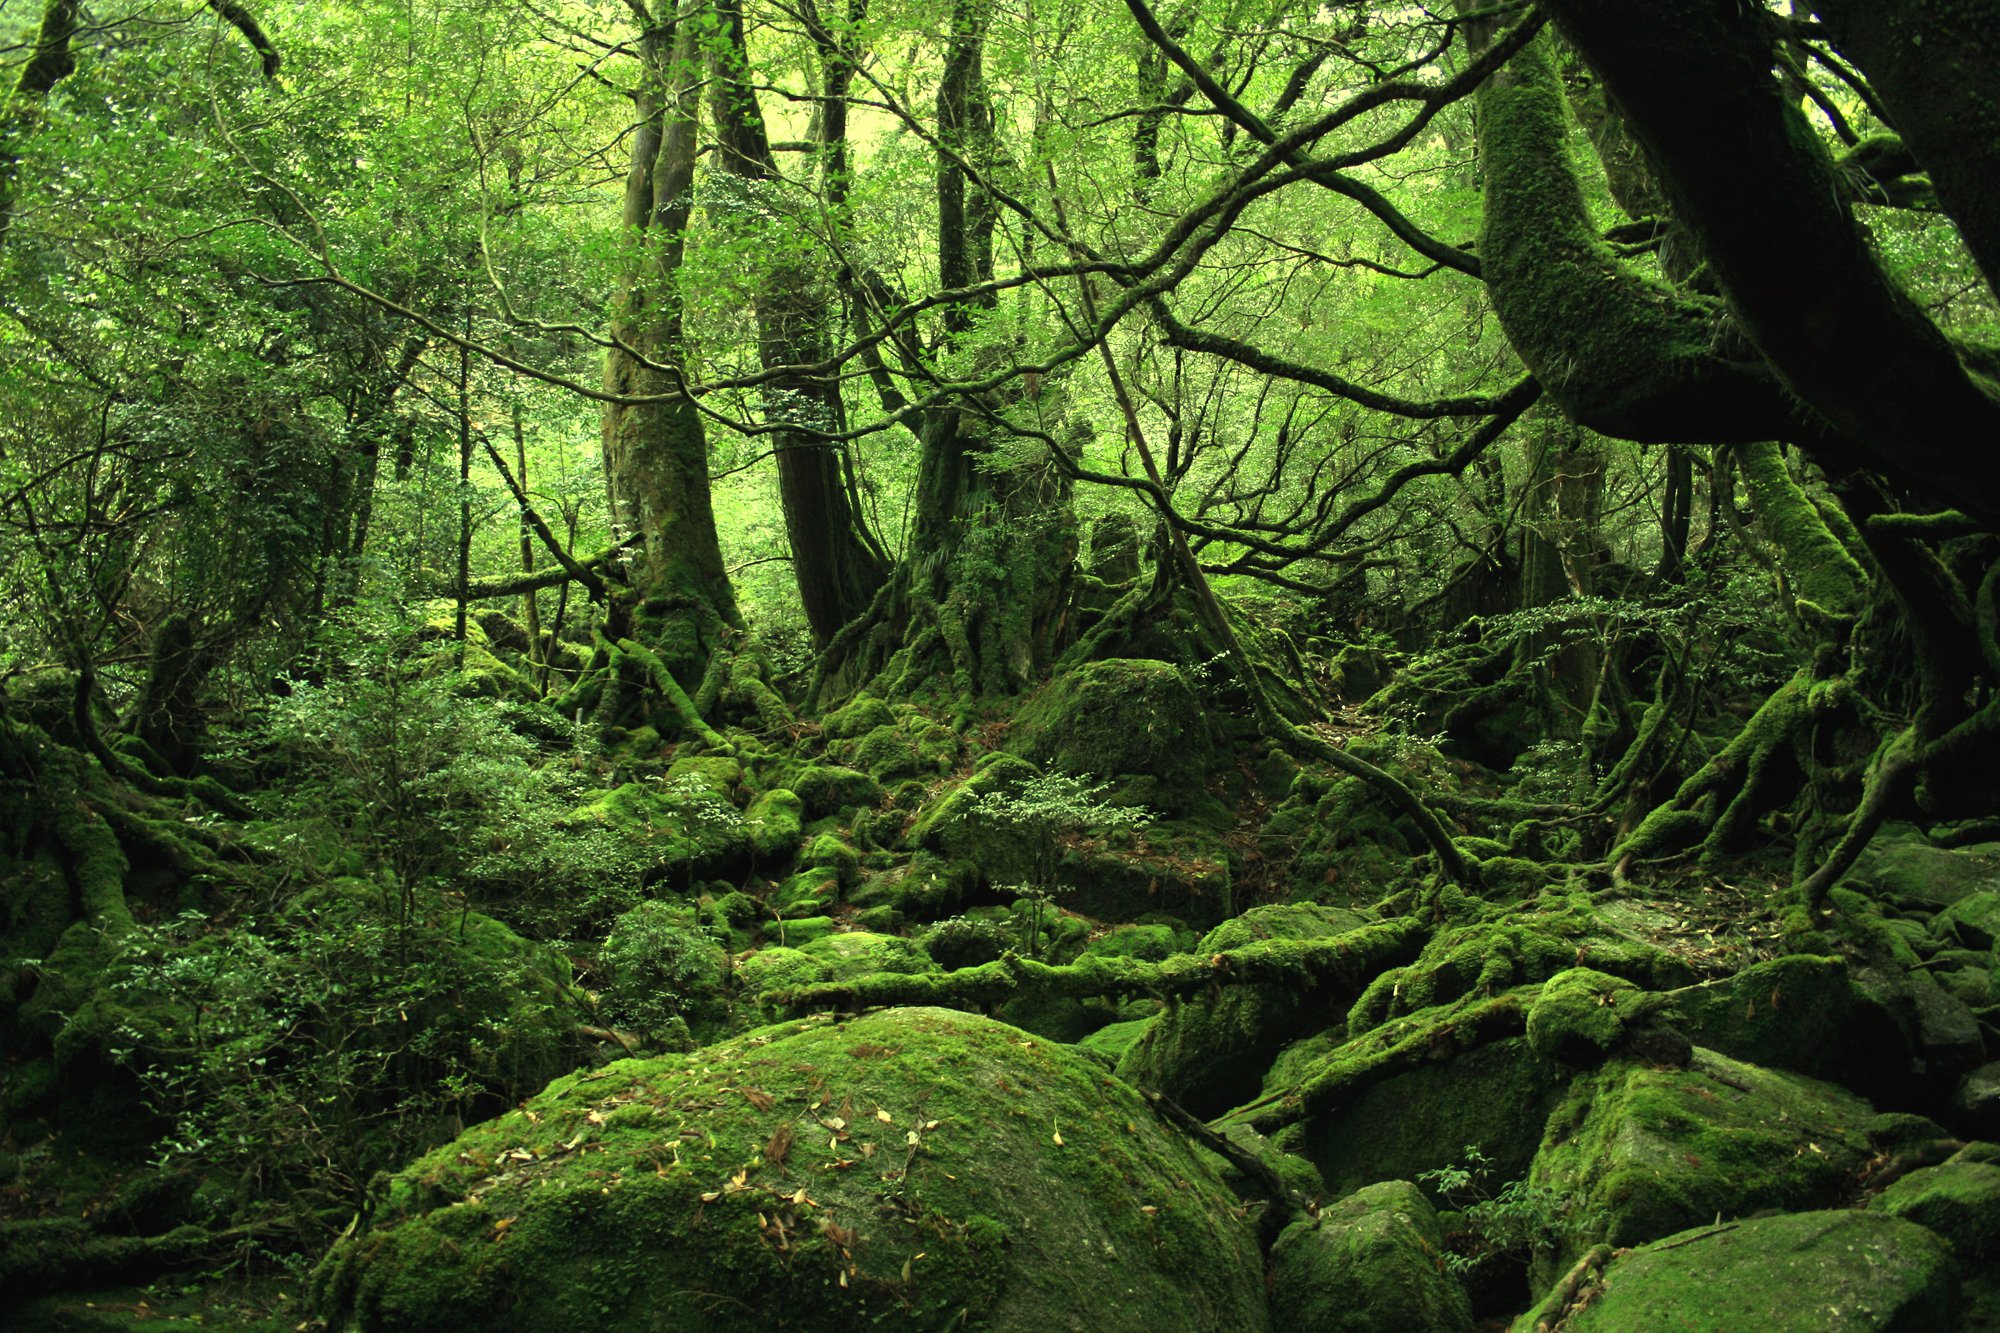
x,y
758,1098
779,1146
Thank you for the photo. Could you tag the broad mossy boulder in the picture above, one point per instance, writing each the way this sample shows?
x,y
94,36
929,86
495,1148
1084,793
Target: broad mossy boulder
x,y
1367,1264
1974,920
684,821
1643,1151
776,822
1120,718
1900,866
1958,1199
913,1168
1820,1272
1209,1052
1801,1013
1149,943
1581,1015
857,953
780,968
827,852
828,789
857,717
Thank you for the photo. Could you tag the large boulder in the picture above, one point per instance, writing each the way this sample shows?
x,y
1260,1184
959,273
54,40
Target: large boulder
x,y
1823,1272
1801,1013
1900,866
1123,718
915,1168
1958,1199
1368,1264
1643,1151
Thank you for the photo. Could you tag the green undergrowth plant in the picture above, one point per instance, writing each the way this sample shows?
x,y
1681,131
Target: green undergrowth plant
x,y
1046,812
1515,1221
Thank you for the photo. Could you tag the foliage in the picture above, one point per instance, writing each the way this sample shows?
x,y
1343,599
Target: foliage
x,y
1045,811
1517,1220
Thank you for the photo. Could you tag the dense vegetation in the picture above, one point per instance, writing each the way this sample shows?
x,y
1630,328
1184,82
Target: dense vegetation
x,y
961,663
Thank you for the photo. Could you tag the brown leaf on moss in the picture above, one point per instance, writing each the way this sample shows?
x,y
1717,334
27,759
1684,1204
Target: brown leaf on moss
x,y
779,1146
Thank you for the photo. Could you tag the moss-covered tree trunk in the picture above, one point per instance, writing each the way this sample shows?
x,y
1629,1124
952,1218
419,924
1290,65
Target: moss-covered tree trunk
x,y
680,604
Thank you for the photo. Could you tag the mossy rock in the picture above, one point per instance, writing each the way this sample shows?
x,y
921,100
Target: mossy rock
x,y
718,773
1643,1152
1120,717
806,892
1960,1200
776,821
798,932
1801,1013
1006,1184
1494,1097
1973,920
857,953
1900,865
827,852
886,754
1367,1264
1819,1272
1110,1042
829,789
1209,1052
1150,943
1977,1098
953,826
857,717
780,968
684,822
1175,867
1581,1015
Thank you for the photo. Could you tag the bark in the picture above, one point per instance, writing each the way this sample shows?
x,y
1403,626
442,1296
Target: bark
x,y
50,63
837,570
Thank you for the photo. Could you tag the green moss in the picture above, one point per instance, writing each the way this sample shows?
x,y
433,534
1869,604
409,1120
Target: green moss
x,y
827,852
1120,717
779,968
828,789
776,824
1110,1042
1799,1012
807,891
1827,583
1823,1272
1581,1015
858,954
1654,1150
1959,1200
1368,1264
859,716
938,1170
954,827
1151,943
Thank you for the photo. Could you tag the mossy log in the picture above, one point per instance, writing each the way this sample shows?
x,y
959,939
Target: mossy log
x,y
1345,962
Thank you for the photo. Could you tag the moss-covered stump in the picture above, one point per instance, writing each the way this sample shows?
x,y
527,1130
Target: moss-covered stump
x,y
1959,1200
1370,1263
1825,1272
1126,719
1643,1152
914,1168
1209,1052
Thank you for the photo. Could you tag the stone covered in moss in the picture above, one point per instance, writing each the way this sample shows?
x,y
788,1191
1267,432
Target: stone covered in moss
x,y
781,968
954,827
1959,1199
827,852
1901,866
1652,1151
1150,943
1798,1012
1973,920
776,822
828,789
684,821
1367,1264
914,1168
857,717
1581,1015
857,953
1210,1052
1824,1272
1118,718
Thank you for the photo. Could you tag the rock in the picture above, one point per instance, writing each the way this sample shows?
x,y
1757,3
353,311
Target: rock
x,y
857,953
857,717
1974,920
776,821
827,852
779,968
1120,718
1947,1031
1960,1200
1209,1052
1643,1152
1006,1184
956,828
1494,1098
1800,1013
1581,1016
828,789
1367,1264
1978,1099
1824,1272
1900,865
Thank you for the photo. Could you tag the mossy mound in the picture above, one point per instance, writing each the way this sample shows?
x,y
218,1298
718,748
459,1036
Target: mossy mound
x,y
1209,1053
1960,1200
1367,1264
957,829
1655,1150
1581,1015
1902,867
685,821
914,1168
1827,1272
776,824
1120,718
858,953
828,789
1801,1013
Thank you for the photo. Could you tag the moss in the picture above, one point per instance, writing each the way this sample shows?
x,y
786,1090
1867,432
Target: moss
x,y
1827,582
776,823
1581,1015
1368,1264
1151,943
923,888
1654,1150
858,953
953,826
886,754
827,852
829,789
682,821
915,1168
779,968
1120,717
859,716
1110,1042
1821,1272
801,931
1209,1052
1801,1013
1959,1200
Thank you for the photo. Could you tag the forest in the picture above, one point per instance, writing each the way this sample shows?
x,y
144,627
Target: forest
x,y
999,664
